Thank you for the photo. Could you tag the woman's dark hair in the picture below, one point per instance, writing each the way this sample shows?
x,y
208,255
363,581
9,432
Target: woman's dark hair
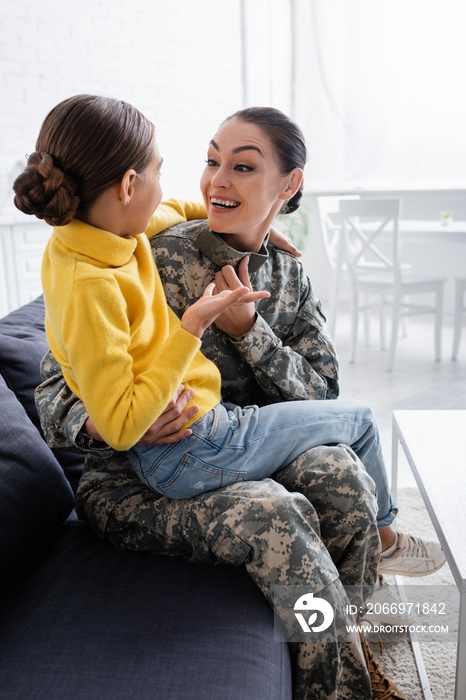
x,y
85,145
287,141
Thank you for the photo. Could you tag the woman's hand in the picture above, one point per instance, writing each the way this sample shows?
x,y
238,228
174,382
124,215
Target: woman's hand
x,y
90,429
205,310
166,428
239,319
282,242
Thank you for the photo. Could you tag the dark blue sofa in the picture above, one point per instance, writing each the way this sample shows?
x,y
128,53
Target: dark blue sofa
x,y
80,619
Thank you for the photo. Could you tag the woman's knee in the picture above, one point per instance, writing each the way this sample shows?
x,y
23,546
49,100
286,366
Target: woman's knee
x,y
336,482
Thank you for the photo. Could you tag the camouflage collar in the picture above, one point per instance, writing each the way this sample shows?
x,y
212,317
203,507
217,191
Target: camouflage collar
x,y
215,248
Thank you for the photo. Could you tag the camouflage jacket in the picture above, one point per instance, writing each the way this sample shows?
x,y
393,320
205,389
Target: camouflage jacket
x,y
287,355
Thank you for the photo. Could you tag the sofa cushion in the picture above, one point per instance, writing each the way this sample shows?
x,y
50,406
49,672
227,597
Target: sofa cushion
x,y
92,621
23,344
35,497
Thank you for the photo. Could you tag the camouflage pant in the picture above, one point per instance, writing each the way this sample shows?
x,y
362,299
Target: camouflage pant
x,y
313,524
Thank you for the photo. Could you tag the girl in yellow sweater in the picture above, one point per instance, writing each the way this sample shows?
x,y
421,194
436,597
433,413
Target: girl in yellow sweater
x,y
95,177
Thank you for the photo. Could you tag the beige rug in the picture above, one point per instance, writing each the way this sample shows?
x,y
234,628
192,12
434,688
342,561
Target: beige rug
x,y
439,657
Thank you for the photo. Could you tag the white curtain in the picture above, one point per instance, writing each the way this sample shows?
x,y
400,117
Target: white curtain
x,y
267,53
380,91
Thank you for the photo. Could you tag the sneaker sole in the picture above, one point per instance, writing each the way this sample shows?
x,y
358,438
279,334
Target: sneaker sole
x,y
412,574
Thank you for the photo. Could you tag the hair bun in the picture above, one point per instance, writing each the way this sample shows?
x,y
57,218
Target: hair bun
x,y
292,204
43,189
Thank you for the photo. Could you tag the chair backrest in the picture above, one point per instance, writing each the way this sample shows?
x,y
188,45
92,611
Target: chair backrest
x,y
330,225
371,236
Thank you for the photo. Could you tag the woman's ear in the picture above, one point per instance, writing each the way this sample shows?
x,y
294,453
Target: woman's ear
x,y
126,188
293,182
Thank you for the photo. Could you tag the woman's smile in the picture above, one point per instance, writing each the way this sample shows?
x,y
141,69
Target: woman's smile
x,y
225,204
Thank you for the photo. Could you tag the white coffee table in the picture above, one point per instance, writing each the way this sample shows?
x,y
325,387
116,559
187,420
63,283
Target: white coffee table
x,y
434,443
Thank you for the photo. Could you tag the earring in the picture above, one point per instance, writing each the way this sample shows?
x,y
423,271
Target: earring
x,y
127,201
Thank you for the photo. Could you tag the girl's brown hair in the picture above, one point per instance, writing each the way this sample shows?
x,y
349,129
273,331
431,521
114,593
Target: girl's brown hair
x,y
85,145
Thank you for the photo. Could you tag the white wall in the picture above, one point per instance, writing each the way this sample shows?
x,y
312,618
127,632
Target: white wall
x,y
178,61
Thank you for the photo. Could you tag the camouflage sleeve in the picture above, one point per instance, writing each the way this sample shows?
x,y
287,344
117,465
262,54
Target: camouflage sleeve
x,y
302,366
62,415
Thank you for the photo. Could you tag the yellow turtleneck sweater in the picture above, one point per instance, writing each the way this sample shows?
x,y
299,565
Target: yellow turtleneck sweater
x,y
120,346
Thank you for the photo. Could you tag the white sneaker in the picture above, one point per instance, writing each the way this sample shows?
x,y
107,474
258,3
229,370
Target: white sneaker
x,y
386,606
418,558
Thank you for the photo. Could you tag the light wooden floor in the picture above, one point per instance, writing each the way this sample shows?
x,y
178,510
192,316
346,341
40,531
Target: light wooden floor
x,y
416,382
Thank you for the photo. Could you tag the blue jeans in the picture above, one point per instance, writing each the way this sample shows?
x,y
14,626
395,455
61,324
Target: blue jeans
x,y
231,444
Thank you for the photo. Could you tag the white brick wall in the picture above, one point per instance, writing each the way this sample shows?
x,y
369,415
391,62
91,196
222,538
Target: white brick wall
x,y
179,61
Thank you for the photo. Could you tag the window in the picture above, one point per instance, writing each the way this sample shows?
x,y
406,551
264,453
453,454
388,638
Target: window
x,y
379,90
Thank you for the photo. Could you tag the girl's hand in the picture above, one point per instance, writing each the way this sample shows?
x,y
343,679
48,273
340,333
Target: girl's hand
x,y
239,319
205,310
282,242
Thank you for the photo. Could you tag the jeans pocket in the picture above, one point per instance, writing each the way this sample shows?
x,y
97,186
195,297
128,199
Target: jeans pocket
x,y
193,476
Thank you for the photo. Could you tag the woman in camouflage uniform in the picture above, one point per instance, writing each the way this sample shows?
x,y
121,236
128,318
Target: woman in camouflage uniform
x,y
313,525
